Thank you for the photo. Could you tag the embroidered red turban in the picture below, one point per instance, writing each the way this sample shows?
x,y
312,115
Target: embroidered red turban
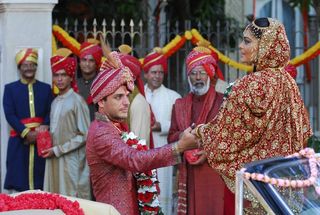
x,y
62,61
88,48
155,58
27,55
69,64
202,56
135,67
206,58
110,78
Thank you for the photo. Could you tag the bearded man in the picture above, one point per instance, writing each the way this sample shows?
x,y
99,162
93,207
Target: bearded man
x,y
200,189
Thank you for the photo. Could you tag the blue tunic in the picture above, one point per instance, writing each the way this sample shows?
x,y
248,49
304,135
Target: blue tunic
x,y
25,169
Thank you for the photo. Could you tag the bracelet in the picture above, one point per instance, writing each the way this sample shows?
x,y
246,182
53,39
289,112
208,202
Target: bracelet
x,y
197,131
176,148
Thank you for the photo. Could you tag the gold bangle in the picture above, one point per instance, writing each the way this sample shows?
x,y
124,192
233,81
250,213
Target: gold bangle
x,y
197,131
176,148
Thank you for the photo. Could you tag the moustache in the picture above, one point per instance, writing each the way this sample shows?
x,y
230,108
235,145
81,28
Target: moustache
x,y
198,84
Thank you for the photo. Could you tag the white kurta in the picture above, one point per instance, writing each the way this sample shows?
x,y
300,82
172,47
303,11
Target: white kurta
x,y
161,101
140,118
67,172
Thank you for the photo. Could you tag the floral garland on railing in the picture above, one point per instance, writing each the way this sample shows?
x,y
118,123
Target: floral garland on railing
x,y
54,45
176,43
222,57
68,41
308,55
47,201
311,181
147,182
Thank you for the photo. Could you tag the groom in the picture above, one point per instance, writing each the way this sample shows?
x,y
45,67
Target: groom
x,y
111,160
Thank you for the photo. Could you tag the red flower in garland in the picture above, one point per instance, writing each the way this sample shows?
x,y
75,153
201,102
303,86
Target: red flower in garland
x,y
147,182
147,208
145,197
132,142
142,147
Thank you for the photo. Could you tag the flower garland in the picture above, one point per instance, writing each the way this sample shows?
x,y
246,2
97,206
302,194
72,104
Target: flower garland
x,y
308,55
48,201
222,57
147,182
176,43
308,153
54,45
66,39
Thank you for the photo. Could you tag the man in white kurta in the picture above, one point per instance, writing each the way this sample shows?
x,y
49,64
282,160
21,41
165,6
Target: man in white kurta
x,y
161,100
139,115
66,170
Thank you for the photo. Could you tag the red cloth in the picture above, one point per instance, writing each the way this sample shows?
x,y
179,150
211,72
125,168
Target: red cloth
x,y
292,70
112,164
154,58
95,50
44,141
31,123
205,188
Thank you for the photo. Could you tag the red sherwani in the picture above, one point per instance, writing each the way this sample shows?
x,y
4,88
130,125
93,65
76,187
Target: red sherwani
x,y
112,164
205,188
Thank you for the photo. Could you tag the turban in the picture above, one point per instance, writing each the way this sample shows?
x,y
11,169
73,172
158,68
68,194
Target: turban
x,y
62,61
69,64
135,67
88,48
201,56
112,75
27,55
155,58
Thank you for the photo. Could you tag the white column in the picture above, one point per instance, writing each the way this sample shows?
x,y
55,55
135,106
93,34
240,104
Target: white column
x,y
23,23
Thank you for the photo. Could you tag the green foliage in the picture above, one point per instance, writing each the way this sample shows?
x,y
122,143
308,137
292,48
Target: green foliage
x,y
210,11
314,142
100,9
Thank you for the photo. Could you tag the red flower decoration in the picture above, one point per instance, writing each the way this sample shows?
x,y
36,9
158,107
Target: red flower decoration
x,y
39,201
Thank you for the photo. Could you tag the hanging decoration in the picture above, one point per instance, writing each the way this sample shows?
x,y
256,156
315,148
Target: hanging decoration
x,y
194,36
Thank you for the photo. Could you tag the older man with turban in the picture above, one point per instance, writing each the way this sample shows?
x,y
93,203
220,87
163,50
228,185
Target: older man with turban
x,y
26,104
161,100
67,171
120,165
200,188
90,60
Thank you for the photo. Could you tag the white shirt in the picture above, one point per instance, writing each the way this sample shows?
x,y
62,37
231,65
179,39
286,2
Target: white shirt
x,y
161,101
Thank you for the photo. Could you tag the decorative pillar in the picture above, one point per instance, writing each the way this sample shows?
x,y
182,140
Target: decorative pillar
x,y
23,24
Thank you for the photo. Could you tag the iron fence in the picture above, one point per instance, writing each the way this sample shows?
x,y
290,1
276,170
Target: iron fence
x,y
144,36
